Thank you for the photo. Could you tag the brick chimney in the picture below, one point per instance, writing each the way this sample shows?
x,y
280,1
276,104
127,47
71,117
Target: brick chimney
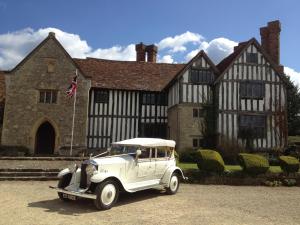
x,y
140,52
146,53
151,53
270,40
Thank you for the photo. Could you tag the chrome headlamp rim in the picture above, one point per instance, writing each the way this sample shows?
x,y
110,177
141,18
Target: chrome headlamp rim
x,y
90,169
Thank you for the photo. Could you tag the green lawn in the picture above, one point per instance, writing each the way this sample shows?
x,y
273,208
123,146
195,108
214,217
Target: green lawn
x,y
186,166
293,139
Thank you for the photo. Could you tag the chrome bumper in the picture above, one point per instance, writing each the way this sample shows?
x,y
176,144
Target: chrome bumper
x,y
74,193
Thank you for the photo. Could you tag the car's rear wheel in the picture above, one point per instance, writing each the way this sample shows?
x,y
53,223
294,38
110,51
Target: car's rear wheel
x,y
173,185
107,194
63,182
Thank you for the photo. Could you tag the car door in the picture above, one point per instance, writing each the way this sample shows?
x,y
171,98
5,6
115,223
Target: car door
x,y
161,162
145,165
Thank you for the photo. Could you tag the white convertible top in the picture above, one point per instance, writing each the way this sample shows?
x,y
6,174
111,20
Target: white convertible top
x,y
147,142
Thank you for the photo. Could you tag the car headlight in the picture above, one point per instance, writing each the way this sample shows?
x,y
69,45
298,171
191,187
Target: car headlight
x,y
90,169
72,168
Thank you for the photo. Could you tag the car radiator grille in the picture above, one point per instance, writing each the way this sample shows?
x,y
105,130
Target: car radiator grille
x,y
83,176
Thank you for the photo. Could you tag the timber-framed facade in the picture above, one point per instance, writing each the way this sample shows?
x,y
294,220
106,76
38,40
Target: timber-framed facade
x,y
125,99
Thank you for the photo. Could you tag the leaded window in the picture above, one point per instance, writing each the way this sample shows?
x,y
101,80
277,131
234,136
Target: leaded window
x,y
101,96
252,126
252,89
252,58
149,98
153,130
201,76
48,96
197,112
198,142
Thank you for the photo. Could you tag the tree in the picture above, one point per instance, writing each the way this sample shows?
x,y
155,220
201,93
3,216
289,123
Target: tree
x,y
293,108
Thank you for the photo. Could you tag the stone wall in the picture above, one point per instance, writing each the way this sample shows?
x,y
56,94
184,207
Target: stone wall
x,y
183,128
24,114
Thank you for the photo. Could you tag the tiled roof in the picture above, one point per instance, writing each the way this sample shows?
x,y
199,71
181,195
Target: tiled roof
x,y
2,86
128,75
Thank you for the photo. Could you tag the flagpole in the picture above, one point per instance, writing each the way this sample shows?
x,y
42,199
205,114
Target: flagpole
x,y
73,121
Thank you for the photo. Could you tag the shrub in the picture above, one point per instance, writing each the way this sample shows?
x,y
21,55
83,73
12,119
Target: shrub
x,y
188,156
253,164
289,164
229,148
209,160
176,156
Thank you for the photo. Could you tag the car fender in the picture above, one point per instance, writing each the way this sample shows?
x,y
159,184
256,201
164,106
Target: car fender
x,y
99,177
167,175
63,172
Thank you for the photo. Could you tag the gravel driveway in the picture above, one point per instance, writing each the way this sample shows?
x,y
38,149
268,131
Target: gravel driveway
x,y
34,203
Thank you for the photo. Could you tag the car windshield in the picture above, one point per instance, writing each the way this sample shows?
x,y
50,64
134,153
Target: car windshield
x,y
121,149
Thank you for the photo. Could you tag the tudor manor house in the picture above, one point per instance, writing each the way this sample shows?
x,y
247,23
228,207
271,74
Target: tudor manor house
x,y
238,101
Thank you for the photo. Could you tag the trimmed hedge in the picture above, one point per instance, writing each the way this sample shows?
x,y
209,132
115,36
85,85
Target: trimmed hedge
x,y
176,157
289,164
188,156
209,160
253,164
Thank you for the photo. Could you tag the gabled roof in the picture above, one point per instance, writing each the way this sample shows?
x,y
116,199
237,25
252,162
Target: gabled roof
x,y
128,75
50,36
227,62
187,66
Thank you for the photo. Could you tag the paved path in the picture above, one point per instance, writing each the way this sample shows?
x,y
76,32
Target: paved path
x,y
34,203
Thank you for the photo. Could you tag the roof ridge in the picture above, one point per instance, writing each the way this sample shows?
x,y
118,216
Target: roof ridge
x,y
127,61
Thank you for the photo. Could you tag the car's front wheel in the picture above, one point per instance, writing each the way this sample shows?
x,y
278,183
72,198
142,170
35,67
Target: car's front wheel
x,y
173,185
107,194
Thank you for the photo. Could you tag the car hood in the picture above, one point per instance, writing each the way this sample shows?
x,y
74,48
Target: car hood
x,y
119,159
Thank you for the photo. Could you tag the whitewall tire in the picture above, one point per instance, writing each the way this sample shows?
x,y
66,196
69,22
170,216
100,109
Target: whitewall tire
x,y
107,194
173,185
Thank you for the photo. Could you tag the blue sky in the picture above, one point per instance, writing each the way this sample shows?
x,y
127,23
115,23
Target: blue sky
x,y
110,28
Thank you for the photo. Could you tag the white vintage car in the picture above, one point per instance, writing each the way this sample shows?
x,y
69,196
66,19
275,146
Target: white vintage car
x,y
130,165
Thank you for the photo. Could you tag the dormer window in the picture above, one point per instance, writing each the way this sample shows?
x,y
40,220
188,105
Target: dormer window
x,y
201,76
252,58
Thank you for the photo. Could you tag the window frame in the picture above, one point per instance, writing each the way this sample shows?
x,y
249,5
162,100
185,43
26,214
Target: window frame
x,y
98,98
197,142
200,76
152,98
250,56
247,85
253,125
43,93
198,112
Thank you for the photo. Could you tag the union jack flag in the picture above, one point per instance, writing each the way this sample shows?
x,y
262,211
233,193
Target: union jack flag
x,y
72,88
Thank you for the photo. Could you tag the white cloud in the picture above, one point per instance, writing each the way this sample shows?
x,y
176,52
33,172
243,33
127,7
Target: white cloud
x,y
16,45
115,53
294,75
166,59
217,49
178,43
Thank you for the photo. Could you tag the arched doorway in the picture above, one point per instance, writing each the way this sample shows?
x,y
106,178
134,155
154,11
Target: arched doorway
x,y
45,139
